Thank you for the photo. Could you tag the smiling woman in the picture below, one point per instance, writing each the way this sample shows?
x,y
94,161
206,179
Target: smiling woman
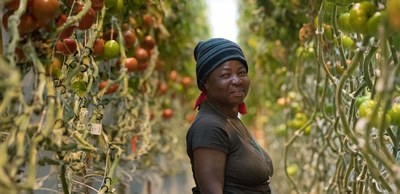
x,y
223,15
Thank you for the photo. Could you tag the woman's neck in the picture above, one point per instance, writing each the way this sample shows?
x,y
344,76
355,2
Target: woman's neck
x,y
227,111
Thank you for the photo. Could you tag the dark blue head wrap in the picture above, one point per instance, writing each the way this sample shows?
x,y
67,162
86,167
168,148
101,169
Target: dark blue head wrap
x,y
212,53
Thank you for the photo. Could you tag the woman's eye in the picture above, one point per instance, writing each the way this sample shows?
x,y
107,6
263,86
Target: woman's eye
x,y
225,75
242,73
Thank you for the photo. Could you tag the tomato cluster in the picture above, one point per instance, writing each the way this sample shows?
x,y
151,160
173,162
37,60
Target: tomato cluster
x,y
38,14
62,26
363,17
365,106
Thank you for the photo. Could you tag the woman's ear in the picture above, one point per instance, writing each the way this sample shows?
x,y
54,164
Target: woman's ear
x,y
205,86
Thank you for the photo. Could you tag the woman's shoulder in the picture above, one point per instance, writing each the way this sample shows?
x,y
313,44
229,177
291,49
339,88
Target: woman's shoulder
x,y
209,120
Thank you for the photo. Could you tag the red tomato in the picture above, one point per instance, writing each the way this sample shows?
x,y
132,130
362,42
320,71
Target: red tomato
x,y
67,32
173,75
148,20
98,47
148,43
97,5
187,81
162,88
28,24
45,10
141,55
110,34
131,64
87,20
134,141
20,54
113,88
129,38
167,113
66,46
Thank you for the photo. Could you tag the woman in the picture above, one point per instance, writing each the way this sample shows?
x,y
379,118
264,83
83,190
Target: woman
x,y
225,157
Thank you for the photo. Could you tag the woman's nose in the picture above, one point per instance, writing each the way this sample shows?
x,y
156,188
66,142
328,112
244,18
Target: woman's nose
x,y
236,79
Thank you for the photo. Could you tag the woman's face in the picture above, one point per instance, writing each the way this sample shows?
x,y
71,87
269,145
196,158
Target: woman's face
x,y
228,84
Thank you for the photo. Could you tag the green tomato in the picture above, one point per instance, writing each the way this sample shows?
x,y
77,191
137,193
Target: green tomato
x,y
359,14
394,114
281,130
360,100
377,121
292,169
374,22
343,22
111,49
305,53
307,130
365,109
347,42
328,32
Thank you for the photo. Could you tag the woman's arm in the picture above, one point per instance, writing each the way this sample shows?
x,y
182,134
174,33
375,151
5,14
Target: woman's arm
x,y
209,167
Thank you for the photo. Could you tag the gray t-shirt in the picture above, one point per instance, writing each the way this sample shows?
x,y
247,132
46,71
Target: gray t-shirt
x,y
247,171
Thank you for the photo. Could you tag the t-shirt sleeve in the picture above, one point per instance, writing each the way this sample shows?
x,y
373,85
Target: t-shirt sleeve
x,y
209,136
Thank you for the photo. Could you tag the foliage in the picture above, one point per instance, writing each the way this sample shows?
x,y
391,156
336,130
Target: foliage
x,y
311,78
96,87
